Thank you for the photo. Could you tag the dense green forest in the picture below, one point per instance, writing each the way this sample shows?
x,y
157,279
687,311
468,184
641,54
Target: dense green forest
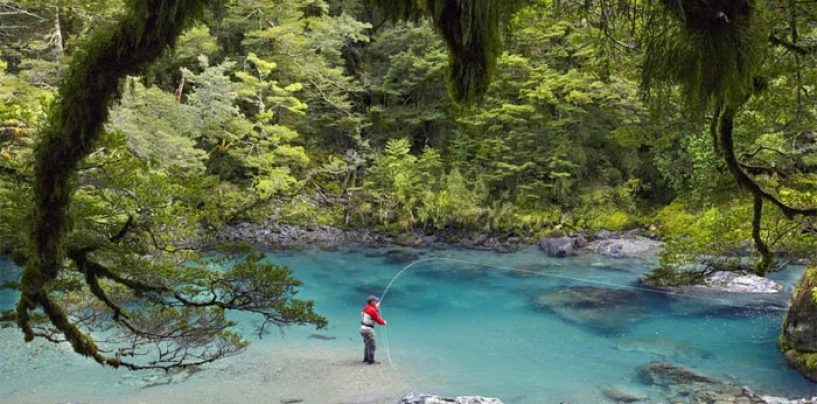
x,y
691,120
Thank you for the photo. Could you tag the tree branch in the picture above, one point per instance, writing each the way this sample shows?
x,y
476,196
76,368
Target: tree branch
x,y
802,50
726,143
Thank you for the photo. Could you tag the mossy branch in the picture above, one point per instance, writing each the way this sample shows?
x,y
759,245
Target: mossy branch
x,y
471,30
726,143
75,124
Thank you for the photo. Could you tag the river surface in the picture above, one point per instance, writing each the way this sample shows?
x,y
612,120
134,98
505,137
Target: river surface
x,y
454,329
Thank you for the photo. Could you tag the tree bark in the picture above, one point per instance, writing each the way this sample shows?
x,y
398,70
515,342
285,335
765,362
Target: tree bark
x,y
766,257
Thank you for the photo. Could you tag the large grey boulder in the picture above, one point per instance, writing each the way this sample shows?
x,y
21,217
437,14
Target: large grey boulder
x,y
737,282
429,399
624,246
561,247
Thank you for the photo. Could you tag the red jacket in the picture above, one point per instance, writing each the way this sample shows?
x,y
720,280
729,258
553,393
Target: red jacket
x,y
371,313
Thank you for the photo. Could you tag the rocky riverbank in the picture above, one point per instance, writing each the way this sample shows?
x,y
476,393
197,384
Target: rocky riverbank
x,y
273,235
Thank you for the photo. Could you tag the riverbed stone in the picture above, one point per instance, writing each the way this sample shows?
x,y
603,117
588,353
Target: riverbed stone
x,y
666,374
677,384
622,394
431,399
605,310
400,257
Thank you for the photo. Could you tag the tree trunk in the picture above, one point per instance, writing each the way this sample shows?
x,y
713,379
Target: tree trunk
x,y
766,256
724,144
59,42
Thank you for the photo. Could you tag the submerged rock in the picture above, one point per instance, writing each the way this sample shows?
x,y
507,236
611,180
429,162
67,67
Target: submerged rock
x,y
738,282
398,257
429,399
678,384
321,337
665,374
603,309
621,394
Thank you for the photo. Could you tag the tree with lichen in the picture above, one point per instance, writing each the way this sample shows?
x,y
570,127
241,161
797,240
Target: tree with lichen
x,y
108,278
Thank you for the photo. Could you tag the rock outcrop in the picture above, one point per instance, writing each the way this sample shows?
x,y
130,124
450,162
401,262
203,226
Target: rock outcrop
x,y
429,399
798,339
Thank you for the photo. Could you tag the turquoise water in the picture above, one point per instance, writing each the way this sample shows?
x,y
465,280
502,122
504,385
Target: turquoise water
x,y
457,329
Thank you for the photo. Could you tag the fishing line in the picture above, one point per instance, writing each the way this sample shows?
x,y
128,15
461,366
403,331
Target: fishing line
x,y
387,350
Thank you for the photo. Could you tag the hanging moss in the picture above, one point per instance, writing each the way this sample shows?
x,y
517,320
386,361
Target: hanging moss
x,y
711,49
471,30
75,123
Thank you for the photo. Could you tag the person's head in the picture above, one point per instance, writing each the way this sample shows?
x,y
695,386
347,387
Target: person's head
x,y
372,299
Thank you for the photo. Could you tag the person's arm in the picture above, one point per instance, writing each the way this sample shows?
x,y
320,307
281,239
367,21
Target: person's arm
x,y
372,311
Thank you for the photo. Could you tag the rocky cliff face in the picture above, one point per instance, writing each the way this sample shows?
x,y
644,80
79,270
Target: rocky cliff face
x,y
798,338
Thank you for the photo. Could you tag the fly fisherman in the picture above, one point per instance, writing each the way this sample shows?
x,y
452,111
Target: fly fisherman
x,y
368,317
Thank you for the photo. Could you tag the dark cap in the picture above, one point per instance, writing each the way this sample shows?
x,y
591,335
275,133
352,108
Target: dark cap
x,y
372,298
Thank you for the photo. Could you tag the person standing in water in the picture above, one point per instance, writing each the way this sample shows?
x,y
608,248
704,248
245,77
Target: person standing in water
x,y
368,317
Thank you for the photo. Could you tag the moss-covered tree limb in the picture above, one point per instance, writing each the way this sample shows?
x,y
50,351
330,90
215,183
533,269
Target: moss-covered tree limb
x,y
471,30
726,142
91,84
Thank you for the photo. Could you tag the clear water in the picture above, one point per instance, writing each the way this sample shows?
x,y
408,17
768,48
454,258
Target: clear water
x,y
457,329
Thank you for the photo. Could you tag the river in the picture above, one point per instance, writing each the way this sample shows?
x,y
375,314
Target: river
x,y
454,328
